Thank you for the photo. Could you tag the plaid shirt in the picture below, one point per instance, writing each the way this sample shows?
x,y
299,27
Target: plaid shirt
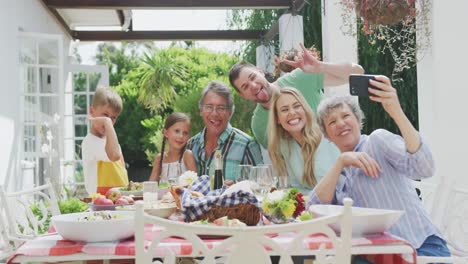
x,y
236,148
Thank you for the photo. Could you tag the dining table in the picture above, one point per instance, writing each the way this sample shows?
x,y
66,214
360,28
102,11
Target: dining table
x,y
381,248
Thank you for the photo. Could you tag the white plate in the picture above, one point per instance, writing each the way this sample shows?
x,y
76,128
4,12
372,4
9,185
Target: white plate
x,y
365,220
69,227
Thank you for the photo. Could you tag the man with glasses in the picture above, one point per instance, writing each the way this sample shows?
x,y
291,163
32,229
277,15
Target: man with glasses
x,y
216,108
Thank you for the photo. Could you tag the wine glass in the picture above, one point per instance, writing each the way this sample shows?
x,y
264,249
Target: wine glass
x,y
243,172
273,174
262,180
283,182
265,180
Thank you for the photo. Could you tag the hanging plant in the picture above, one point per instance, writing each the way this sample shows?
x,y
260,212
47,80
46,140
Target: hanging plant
x,y
385,12
395,22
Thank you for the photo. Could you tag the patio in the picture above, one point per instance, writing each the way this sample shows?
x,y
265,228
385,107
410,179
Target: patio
x,y
40,33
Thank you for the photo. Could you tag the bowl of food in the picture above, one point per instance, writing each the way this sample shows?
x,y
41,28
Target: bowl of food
x,y
365,220
133,188
161,209
95,226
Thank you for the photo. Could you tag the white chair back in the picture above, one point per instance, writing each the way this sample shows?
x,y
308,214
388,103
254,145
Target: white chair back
x,y
248,244
452,222
28,211
5,247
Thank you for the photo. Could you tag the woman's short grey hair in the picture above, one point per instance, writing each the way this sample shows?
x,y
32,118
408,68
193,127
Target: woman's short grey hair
x,y
220,89
328,105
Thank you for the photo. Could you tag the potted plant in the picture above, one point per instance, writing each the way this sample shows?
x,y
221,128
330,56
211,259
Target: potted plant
x,y
395,22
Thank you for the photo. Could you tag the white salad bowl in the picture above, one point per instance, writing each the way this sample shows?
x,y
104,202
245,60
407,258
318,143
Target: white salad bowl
x,y
78,227
365,221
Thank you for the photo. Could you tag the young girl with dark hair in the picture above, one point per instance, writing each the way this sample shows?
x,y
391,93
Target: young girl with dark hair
x,y
177,159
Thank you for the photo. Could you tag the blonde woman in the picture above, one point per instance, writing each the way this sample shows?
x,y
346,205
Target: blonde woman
x,y
295,143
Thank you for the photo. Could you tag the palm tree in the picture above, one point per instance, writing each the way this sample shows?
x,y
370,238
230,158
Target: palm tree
x,y
161,72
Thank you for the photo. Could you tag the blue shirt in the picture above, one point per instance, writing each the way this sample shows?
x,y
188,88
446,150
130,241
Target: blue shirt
x,y
393,189
236,148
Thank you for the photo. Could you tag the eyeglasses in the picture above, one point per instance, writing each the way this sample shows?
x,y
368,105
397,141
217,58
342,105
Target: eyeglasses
x,y
220,109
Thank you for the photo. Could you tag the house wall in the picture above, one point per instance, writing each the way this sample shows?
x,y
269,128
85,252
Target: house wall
x,y
15,16
442,95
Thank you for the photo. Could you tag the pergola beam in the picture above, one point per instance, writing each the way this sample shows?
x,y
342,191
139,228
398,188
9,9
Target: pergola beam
x,y
169,4
168,35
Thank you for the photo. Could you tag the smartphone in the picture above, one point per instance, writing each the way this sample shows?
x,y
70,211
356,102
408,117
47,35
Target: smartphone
x,y
358,84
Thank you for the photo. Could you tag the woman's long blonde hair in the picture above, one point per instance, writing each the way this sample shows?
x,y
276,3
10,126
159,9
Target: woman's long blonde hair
x,y
311,133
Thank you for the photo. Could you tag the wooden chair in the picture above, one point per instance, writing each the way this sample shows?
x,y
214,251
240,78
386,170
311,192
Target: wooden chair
x,y
27,211
248,244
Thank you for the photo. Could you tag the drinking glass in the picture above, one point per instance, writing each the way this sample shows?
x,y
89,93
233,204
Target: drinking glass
x,y
265,181
273,174
283,182
150,194
173,173
262,178
243,172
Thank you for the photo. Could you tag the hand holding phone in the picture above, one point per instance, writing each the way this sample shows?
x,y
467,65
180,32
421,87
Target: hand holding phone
x,y
359,84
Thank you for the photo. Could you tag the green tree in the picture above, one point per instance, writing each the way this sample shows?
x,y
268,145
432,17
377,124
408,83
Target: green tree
x,y
120,60
161,72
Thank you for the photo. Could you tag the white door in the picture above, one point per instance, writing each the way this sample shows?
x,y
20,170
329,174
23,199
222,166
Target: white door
x,y
41,84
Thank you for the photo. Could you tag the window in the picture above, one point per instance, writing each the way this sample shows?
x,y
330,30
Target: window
x,y
41,80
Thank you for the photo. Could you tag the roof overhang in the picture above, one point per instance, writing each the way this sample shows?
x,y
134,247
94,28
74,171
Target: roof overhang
x,y
116,15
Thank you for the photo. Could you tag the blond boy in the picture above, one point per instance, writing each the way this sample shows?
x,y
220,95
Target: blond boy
x,y
103,162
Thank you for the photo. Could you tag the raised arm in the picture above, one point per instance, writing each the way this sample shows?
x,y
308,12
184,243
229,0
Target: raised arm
x,y
389,99
334,73
112,143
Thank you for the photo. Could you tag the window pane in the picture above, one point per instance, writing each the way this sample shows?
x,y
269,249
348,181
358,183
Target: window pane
x,y
28,171
91,96
28,79
79,82
48,80
79,172
80,127
48,51
78,148
29,139
79,104
30,107
49,106
28,51
94,81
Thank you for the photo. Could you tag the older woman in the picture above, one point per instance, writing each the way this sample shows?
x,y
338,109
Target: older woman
x,y
295,143
377,170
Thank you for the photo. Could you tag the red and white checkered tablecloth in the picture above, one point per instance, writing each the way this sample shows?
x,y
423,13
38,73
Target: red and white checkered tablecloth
x,y
54,245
